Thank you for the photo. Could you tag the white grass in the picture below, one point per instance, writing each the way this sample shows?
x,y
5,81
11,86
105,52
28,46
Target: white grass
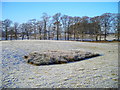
x,y
98,72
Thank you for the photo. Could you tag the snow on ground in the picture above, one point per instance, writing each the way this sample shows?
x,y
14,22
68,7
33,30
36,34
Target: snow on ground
x,y
98,72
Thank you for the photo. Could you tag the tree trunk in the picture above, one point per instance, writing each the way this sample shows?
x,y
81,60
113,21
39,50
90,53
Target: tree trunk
x,y
6,35
48,35
65,35
27,35
15,34
74,32
40,33
35,35
45,30
118,33
99,33
57,31
22,36
100,37
68,34
82,35
105,35
74,36
11,36
96,37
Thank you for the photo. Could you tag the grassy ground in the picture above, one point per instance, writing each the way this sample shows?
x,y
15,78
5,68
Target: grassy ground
x,y
98,72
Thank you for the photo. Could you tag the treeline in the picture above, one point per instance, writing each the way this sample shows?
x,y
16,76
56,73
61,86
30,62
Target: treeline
x,y
63,27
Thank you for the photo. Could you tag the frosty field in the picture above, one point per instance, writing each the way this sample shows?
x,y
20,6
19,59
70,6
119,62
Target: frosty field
x,y
97,72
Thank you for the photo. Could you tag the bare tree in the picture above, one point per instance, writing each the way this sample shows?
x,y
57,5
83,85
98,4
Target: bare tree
x,y
50,29
22,27
11,32
118,22
64,20
106,23
56,18
95,21
6,24
67,26
33,24
116,25
15,29
40,27
45,18
53,32
69,23
84,26
76,20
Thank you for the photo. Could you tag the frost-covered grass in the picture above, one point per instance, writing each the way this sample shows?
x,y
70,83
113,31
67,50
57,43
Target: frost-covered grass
x,y
98,72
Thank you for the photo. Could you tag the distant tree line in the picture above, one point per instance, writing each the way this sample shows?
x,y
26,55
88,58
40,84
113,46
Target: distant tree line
x,y
63,27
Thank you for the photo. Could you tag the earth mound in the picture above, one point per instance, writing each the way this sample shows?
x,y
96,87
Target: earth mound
x,y
57,57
